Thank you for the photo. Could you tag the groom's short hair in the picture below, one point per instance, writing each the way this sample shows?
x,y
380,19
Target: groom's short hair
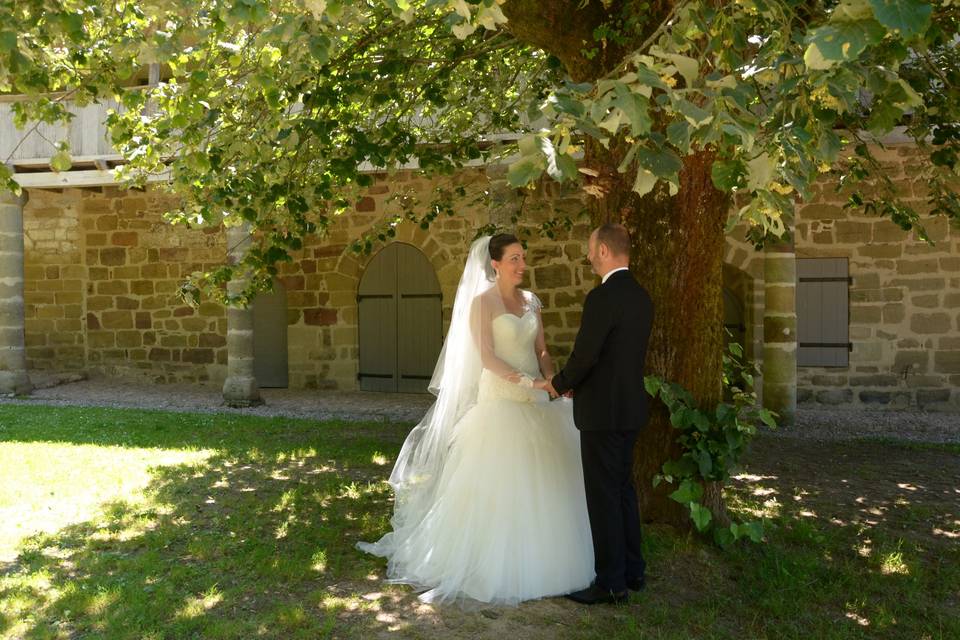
x,y
616,237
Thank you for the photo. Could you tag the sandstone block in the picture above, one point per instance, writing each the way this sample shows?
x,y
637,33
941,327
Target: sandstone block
x,y
107,223
212,340
946,362
124,238
822,212
926,301
834,396
862,314
932,396
113,256
887,251
930,323
112,287
116,319
886,231
320,316
893,313
198,356
914,267
129,339
552,276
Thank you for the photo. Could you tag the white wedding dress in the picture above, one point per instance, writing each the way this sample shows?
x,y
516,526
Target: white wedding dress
x,y
507,521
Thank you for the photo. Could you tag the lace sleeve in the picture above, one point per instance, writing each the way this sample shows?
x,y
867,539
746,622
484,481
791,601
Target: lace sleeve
x,y
543,354
482,314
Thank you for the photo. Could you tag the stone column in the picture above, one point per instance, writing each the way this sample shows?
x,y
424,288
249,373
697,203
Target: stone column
x,y
240,388
13,355
780,331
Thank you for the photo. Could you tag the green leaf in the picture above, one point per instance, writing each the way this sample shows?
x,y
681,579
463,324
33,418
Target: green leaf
x,y
60,161
530,145
682,468
637,109
8,41
561,166
753,530
723,537
727,174
908,17
567,166
705,463
701,516
320,48
767,417
660,162
840,41
524,171
678,133
652,385
694,114
644,182
760,171
689,491
688,67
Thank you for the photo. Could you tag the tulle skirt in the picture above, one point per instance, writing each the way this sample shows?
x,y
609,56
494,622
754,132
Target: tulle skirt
x,y
509,519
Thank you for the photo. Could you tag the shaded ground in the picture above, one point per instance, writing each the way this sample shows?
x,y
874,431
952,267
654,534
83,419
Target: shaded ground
x,y
257,538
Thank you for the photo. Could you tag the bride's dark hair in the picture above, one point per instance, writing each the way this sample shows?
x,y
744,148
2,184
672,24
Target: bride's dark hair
x,y
498,243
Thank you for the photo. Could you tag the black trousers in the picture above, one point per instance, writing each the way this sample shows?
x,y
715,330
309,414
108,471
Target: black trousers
x,y
612,506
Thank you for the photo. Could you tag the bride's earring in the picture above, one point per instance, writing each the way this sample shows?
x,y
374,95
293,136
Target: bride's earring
x,y
497,272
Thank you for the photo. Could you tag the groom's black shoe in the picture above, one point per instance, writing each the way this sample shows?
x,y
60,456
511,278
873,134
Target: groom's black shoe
x,y
636,584
595,594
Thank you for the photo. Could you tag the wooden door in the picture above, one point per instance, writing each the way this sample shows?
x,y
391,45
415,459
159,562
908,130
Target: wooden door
x,y
270,338
399,303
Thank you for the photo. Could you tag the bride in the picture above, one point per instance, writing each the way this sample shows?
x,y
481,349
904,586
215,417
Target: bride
x,y
489,499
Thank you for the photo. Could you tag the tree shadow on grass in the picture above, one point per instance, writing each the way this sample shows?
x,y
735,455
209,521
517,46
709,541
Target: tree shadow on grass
x,y
255,540
866,535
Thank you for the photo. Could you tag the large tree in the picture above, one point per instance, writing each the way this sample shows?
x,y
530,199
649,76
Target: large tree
x,y
678,118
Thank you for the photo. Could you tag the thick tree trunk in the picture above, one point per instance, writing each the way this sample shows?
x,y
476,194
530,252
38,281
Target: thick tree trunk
x,y
678,257
678,240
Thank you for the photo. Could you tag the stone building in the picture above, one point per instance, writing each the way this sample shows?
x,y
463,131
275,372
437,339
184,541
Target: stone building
x,y
854,312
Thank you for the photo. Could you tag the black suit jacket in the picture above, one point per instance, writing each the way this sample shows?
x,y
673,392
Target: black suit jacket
x,y
606,367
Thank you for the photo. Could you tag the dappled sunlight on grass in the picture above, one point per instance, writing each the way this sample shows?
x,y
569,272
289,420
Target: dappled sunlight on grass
x,y
46,486
255,538
199,605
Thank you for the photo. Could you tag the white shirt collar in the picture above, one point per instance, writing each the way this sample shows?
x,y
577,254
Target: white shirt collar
x,y
607,275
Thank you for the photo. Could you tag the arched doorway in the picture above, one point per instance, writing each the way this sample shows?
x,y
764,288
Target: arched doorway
x,y
400,321
270,337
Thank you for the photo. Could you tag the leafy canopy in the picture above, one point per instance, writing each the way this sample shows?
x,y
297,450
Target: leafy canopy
x,y
271,114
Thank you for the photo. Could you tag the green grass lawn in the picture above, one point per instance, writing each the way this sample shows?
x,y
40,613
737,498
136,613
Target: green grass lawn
x,y
140,524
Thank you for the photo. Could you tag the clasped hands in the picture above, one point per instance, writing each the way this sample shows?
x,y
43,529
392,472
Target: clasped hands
x,y
546,385
543,384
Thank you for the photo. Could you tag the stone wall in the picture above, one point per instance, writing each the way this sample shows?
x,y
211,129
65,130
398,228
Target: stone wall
x,y
103,270
102,274
323,280
54,282
904,299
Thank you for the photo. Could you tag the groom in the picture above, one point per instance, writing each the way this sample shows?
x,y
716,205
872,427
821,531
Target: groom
x,y
605,374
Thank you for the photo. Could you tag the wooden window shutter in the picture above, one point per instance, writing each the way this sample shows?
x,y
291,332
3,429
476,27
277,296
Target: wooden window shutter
x,y
823,312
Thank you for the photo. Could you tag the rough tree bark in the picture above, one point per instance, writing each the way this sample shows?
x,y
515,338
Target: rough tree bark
x,y
678,244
